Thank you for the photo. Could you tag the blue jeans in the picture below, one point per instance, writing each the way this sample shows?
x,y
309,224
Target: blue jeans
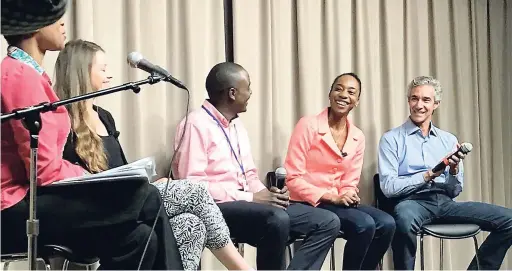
x,y
417,210
368,231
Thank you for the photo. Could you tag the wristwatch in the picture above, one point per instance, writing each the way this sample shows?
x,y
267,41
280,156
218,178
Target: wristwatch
x,y
454,173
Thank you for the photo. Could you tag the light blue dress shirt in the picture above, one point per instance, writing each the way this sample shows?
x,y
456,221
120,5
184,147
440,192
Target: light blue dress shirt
x,y
405,155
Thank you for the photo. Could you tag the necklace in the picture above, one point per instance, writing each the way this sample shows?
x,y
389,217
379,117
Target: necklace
x,y
338,136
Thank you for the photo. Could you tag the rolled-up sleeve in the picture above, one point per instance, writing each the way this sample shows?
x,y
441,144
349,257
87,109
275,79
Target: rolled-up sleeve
x,y
391,184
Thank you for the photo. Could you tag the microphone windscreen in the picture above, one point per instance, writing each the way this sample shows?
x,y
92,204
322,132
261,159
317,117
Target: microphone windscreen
x,y
466,147
280,171
134,58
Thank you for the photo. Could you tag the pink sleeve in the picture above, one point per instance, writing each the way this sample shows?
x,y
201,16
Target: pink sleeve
x,y
51,167
353,174
251,173
253,180
192,163
295,164
191,158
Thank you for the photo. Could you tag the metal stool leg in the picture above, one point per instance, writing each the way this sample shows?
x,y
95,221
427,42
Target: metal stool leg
x,y
241,249
290,252
441,244
333,258
476,252
421,253
65,265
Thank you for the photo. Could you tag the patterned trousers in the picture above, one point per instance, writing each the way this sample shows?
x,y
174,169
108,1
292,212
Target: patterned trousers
x,y
195,219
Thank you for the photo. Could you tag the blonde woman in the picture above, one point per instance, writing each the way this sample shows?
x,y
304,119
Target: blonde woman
x,y
92,143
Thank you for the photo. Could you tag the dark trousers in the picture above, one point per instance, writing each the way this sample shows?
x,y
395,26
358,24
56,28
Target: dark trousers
x,y
119,246
268,228
368,232
420,209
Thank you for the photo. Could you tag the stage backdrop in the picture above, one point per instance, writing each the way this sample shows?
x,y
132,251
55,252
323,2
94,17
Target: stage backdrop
x,y
293,50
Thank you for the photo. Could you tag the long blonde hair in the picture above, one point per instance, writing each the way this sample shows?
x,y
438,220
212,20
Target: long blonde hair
x,y
72,78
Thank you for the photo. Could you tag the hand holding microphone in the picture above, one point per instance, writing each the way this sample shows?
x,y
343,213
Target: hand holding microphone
x,y
272,197
451,160
278,194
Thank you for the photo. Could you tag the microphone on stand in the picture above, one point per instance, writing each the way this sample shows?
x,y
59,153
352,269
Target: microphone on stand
x,y
136,60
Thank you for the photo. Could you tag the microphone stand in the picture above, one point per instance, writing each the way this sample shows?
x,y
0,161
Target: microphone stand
x,y
31,118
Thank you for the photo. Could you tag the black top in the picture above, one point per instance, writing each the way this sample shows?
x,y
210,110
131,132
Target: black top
x,y
106,203
113,149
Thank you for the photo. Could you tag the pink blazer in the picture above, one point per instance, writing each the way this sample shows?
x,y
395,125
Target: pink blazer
x,y
315,165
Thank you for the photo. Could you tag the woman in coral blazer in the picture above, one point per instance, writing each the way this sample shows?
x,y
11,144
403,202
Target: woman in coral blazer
x,y
324,162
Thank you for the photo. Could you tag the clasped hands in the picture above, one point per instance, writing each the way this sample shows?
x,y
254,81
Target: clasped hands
x,y
349,198
276,197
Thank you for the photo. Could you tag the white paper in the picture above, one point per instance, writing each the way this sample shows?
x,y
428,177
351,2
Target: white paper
x,y
143,168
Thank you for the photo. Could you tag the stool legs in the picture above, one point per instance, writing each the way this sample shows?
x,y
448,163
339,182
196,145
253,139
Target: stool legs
x,y
441,244
290,251
240,249
476,252
333,258
65,265
422,259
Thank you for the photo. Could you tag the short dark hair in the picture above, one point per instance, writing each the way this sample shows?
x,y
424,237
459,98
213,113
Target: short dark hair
x,y
350,74
221,77
15,40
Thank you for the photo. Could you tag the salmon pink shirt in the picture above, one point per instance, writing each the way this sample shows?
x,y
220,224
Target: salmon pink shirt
x,y
315,165
206,155
24,83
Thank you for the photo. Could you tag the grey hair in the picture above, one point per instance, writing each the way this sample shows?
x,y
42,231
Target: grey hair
x,y
426,80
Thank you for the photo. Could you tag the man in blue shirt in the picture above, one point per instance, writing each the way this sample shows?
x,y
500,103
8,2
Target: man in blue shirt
x,y
407,155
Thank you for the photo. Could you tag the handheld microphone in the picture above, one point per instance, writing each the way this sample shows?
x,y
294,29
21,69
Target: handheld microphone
x,y
136,60
465,148
280,177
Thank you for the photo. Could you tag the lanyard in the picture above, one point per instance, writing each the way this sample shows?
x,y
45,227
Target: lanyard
x,y
229,141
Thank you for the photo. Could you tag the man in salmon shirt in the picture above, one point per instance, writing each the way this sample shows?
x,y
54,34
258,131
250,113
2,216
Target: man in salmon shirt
x,y
324,162
215,150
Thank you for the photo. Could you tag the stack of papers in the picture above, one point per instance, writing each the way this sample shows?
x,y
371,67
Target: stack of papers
x,y
143,168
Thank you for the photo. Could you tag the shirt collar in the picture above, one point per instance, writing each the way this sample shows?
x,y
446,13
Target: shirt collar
x,y
323,124
216,113
412,128
22,56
